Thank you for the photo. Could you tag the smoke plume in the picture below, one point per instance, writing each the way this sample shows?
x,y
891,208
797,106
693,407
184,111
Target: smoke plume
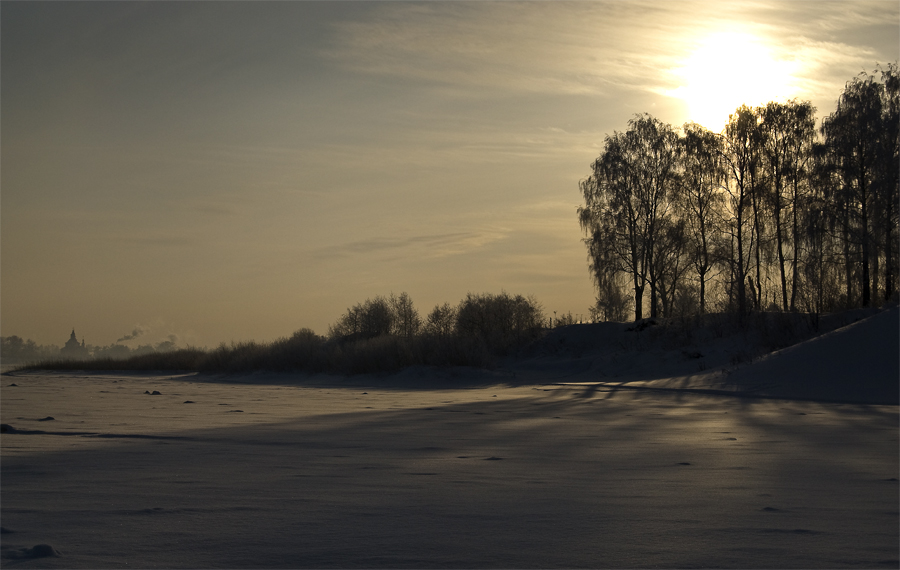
x,y
138,331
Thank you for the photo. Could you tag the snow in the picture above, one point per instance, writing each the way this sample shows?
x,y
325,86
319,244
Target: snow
x,y
856,363
594,456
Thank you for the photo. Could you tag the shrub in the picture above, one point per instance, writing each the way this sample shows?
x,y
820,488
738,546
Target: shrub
x,y
454,350
181,359
364,320
564,320
378,336
406,319
441,321
304,350
376,317
376,355
500,321
238,357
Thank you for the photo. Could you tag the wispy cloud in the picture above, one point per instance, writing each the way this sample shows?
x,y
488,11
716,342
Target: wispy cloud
x,y
434,245
157,241
533,47
837,16
591,47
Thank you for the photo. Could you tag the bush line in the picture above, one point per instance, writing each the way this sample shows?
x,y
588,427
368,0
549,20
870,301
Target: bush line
x,y
381,335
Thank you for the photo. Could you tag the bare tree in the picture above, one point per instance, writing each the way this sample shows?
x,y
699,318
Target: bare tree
x,y
701,198
786,134
613,301
406,320
888,189
627,200
370,319
500,321
852,134
740,157
784,220
612,216
669,261
773,144
801,141
441,321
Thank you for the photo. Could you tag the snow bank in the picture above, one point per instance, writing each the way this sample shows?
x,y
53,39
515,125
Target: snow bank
x,y
858,363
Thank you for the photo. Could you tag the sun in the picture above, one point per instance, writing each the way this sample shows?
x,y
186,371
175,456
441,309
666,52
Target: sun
x,y
727,70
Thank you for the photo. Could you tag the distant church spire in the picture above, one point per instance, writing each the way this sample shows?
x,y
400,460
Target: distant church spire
x,y
73,348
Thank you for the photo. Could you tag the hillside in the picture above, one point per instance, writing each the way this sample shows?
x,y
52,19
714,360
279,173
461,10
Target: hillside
x,y
854,357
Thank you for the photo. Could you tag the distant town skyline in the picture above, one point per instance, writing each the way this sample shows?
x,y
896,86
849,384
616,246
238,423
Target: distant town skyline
x,y
215,171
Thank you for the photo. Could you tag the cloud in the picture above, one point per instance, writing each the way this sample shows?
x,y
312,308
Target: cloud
x,y
138,331
531,47
596,48
838,16
158,241
433,245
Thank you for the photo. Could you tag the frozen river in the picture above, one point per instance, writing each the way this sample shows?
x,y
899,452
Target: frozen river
x,y
267,474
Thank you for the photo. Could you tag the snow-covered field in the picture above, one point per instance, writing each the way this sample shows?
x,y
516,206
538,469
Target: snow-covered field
x,y
614,455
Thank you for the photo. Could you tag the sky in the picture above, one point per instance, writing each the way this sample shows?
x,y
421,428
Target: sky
x,y
230,171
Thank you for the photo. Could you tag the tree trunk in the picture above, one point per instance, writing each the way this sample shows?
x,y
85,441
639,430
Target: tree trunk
x,y
795,236
742,291
757,236
866,291
889,251
848,262
780,244
704,267
638,300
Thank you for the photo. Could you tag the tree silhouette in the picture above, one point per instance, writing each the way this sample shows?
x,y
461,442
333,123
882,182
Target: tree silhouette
x,y
740,157
764,215
627,204
786,133
888,187
852,136
406,321
701,198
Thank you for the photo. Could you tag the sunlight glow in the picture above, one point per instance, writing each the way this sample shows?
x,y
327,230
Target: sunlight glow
x,y
727,70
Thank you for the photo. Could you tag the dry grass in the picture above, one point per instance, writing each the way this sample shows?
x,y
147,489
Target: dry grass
x,y
304,353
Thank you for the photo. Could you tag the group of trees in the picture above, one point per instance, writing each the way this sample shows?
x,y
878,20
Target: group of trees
x,y
379,316
499,321
15,350
769,214
383,334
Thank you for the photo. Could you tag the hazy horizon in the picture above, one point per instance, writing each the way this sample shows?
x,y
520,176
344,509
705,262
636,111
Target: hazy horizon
x,y
236,171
